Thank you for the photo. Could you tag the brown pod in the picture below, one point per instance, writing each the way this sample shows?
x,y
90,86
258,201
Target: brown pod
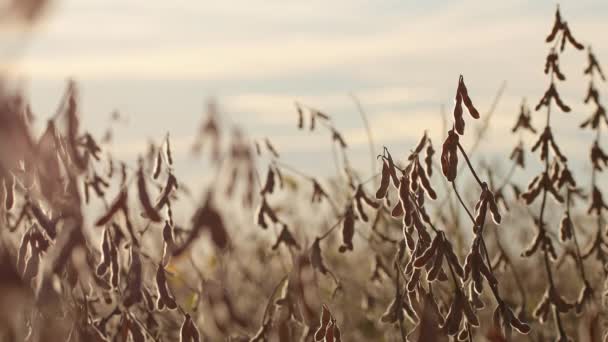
x,y
260,218
316,258
287,238
136,331
413,282
449,156
147,297
397,210
168,235
390,314
421,144
185,330
9,190
157,165
144,199
541,312
437,266
557,150
570,38
493,208
533,246
168,150
454,316
559,302
360,211
458,119
323,324
485,271
557,26
426,256
565,108
408,239
384,181
360,193
118,203
114,266
336,332
337,137
517,324
102,268
532,193
87,196
453,259
269,185
463,335
428,159
469,313
467,100
206,218
313,116
565,228
348,230
391,169
163,199
428,189
164,296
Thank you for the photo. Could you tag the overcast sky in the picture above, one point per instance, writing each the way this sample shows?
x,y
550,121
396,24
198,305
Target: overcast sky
x,y
158,61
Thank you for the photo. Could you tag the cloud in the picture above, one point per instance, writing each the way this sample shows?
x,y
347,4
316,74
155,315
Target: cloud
x,y
445,31
279,109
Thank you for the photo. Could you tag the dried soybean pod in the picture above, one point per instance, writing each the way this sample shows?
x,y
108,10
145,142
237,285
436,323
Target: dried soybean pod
x,y
426,184
148,299
270,183
437,266
114,266
144,198
287,238
271,148
384,181
157,165
324,322
164,296
185,333
102,268
557,25
428,159
168,150
348,230
359,206
9,190
168,235
467,100
421,144
136,332
470,314
118,203
166,192
300,116
458,119
426,256
316,258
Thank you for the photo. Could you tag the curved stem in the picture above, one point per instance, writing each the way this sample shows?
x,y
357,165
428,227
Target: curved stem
x,y
370,138
466,158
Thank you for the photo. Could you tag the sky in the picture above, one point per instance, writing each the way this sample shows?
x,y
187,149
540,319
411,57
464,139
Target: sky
x,y
158,62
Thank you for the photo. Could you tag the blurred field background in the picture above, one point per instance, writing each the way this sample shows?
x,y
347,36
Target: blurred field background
x,y
160,64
